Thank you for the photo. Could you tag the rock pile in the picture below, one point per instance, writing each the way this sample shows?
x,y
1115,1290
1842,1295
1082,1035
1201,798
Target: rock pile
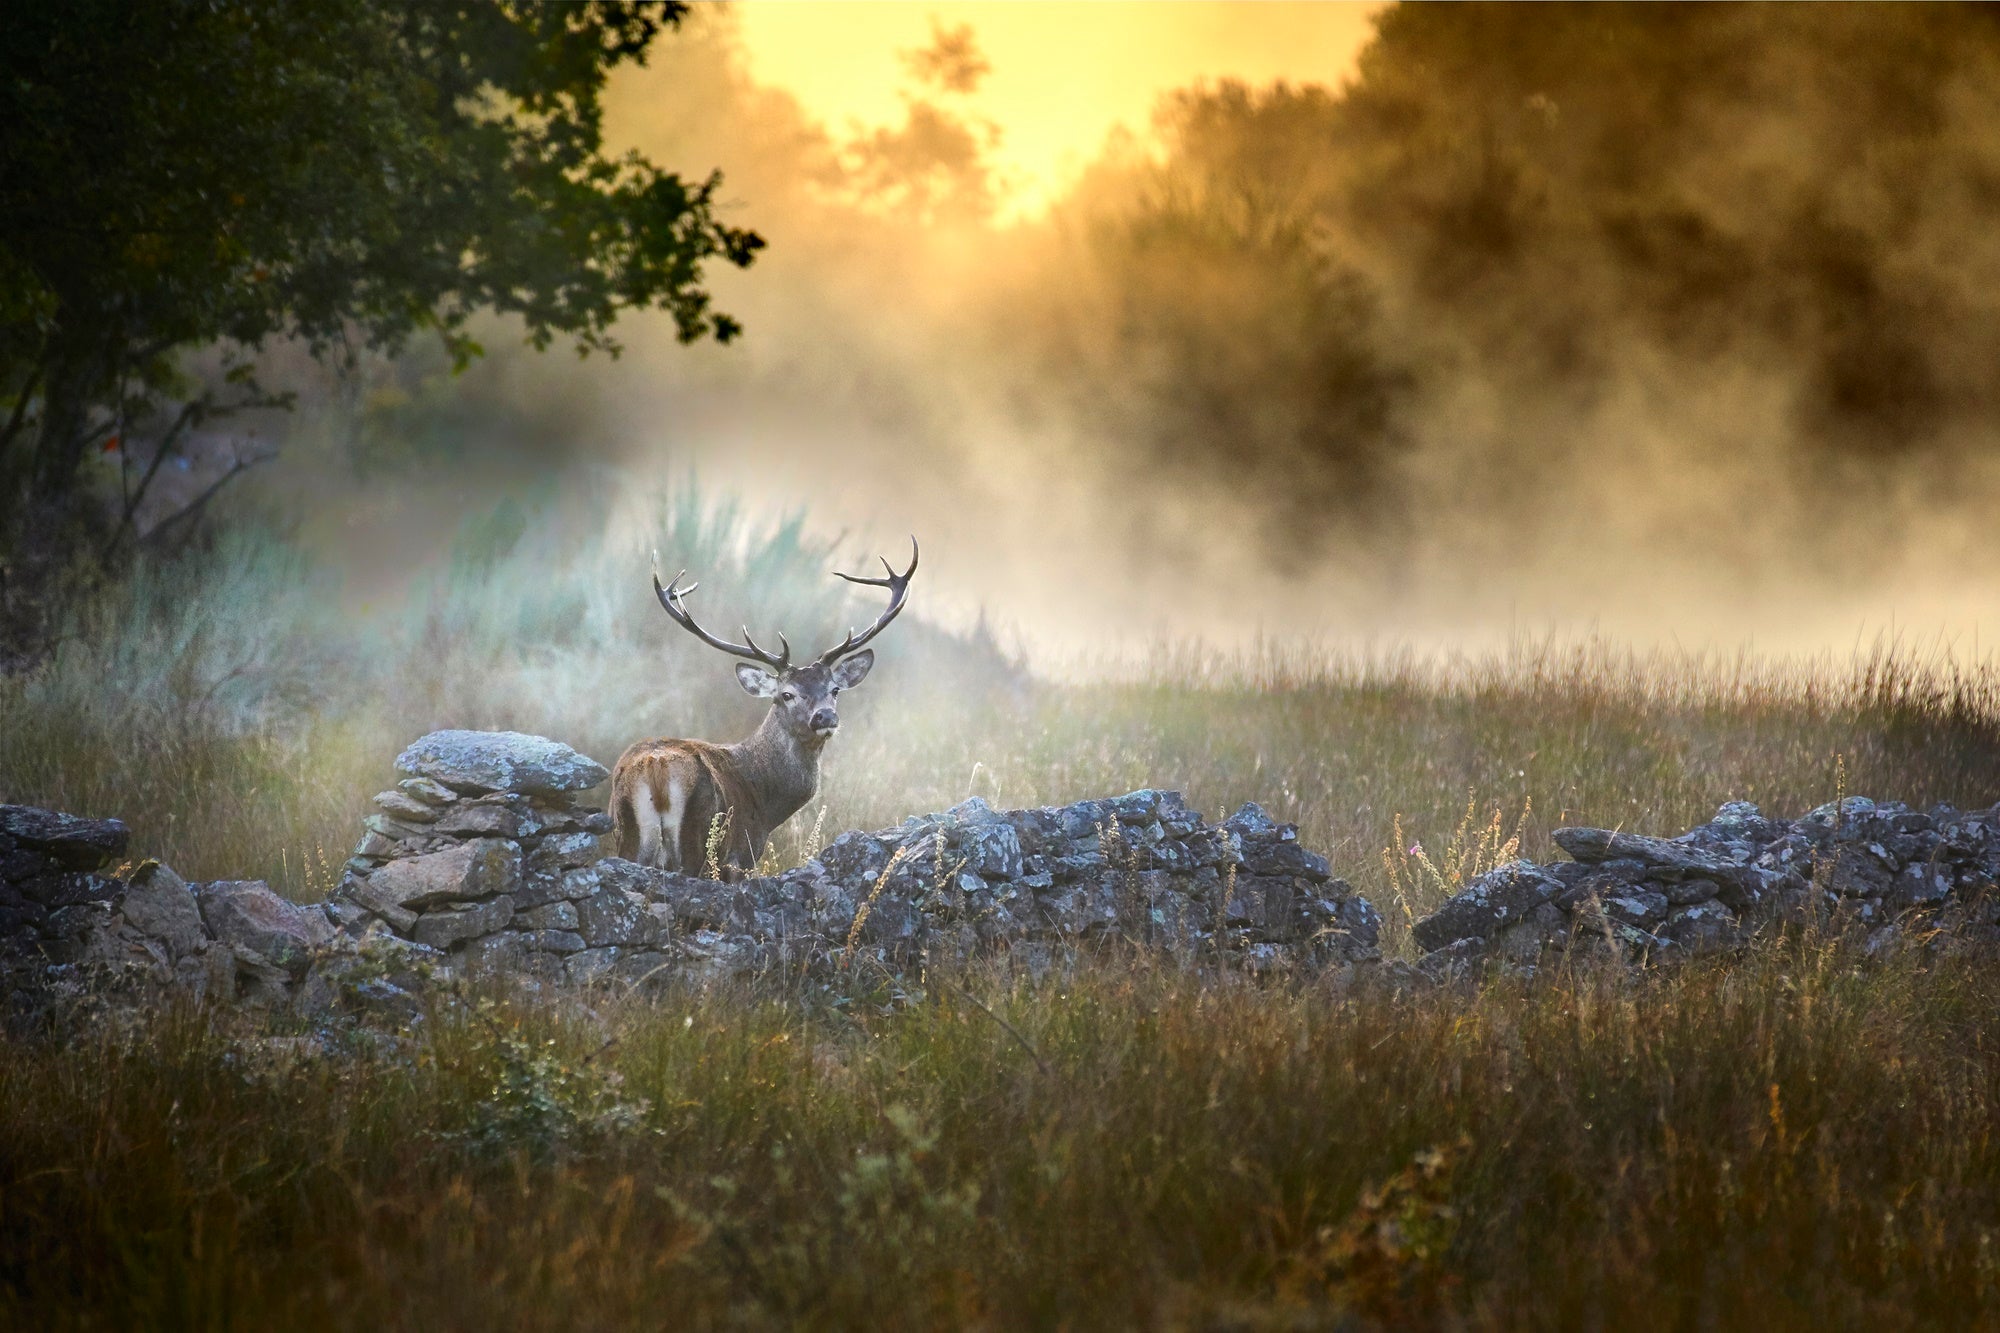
x,y
483,838
481,856
1038,883
64,923
1859,865
51,893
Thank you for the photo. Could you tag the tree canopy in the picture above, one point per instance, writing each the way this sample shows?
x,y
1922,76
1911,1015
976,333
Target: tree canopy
x,y
185,172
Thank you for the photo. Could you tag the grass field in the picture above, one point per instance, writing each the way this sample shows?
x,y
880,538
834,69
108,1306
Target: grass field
x,y
1799,1138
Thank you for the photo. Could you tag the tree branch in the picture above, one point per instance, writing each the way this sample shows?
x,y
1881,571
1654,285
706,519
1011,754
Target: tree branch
x,y
195,411
200,502
18,417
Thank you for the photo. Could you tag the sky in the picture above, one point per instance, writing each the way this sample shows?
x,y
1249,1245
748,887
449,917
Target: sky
x,y
1064,74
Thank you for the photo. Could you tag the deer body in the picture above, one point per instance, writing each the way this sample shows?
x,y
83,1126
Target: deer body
x,y
667,794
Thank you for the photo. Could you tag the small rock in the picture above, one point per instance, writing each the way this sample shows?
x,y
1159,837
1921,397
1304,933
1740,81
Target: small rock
x,y
590,965
1643,908
376,846
1682,893
443,927
392,828
551,941
612,916
402,806
566,851
502,815
1700,927
1498,897
557,915
1251,822
427,790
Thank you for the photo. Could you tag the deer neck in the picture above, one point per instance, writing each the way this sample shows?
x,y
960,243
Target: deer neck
x,y
782,769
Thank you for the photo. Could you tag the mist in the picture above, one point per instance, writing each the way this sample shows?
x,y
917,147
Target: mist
x,y
1668,323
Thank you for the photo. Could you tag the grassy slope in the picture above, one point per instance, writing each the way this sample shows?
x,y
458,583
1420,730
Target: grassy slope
x,y
1799,1140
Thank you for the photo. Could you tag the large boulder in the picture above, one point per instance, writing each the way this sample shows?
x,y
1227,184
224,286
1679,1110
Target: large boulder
x,y
484,761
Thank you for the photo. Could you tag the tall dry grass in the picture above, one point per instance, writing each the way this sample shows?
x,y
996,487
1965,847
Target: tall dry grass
x,y
1795,1140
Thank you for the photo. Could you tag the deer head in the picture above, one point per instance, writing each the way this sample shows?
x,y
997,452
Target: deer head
x,y
804,697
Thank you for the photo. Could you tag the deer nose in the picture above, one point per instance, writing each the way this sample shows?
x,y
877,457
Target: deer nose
x,y
823,719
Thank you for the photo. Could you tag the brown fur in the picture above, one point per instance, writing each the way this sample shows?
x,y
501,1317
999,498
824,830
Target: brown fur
x,y
711,785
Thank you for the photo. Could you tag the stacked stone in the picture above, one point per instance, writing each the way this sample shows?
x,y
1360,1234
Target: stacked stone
x,y
1035,883
52,894
1860,865
483,854
64,924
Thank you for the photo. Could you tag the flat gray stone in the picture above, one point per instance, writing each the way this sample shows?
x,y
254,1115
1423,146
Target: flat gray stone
x,y
480,761
613,916
72,842
483,868
590,965
557,915
427,790
404,807
1740,884
443,927
551,941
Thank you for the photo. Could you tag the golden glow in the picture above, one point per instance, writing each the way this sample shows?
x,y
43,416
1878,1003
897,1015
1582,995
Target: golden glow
x,y
1064,73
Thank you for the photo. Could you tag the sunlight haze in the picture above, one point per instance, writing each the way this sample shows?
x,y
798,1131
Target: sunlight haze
x,y
1064,75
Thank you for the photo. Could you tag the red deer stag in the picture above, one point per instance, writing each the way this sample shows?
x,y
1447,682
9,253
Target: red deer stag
x,y
666,795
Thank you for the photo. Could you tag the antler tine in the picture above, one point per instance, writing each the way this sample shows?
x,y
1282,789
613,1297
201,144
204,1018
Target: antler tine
x,y
671,600
783,661
899,593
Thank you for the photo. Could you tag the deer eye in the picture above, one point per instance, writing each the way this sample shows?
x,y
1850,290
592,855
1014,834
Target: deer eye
x,y
787,696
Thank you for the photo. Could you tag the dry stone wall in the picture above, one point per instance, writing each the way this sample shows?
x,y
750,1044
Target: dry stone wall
x,y
1872,869
66,925
482,857
482,862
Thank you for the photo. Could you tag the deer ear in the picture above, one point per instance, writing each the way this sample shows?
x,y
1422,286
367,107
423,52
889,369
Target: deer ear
x,y
755,680
851,671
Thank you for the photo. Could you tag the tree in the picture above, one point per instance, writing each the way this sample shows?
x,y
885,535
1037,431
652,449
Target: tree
x,y
187,172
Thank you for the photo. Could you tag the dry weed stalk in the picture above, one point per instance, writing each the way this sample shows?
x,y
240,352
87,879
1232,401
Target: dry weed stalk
x,y
1473,849
868,904
718,838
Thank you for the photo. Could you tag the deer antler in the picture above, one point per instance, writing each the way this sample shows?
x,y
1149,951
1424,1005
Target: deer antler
x,y
670,598
899,593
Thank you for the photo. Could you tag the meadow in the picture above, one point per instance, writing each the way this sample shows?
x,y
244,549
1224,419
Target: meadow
x,y
1796,1137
